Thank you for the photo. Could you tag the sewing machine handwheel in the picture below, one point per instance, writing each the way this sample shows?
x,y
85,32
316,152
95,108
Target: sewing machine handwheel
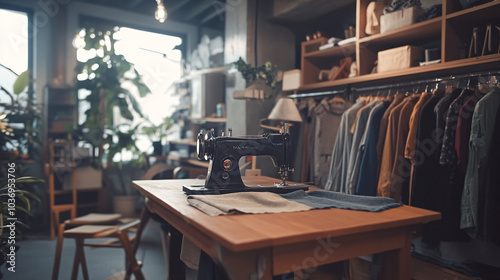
x,y
200,146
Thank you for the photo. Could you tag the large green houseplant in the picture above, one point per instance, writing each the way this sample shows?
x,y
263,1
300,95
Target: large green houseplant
x,y
108,77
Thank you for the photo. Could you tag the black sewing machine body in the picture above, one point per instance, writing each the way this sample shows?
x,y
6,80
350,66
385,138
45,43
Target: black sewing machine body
x,y
224,153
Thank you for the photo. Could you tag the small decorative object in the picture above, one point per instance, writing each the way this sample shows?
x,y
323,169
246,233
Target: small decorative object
x,y
263,77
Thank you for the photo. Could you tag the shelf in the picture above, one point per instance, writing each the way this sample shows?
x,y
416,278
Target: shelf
x,y
481,11
210,120
483,63
334,51
429,29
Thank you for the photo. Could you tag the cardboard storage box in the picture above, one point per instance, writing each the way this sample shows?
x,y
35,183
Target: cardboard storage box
x,y
398,58
399,18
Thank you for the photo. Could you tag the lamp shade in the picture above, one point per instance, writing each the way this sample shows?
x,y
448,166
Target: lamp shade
x,y
285,110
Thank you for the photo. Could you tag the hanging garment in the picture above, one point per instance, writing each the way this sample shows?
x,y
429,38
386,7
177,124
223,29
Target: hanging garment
x,y
476,179
388,152
463,129
401,169
450,181
368,168
357,145
305,108
327,118
412,135
383,128
491,181
448,153
337,175
425,190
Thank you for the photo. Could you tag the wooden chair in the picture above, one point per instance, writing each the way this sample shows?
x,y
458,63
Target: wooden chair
x,y
60,164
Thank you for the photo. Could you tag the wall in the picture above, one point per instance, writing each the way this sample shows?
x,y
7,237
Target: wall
x,y
251,36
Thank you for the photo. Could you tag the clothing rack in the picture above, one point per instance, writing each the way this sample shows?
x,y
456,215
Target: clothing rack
x,y
349,90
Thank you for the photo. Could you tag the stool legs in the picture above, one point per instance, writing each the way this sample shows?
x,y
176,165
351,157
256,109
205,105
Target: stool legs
x,y
79,258
57,260
132,265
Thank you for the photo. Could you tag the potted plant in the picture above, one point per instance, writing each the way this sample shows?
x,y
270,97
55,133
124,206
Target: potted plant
x,y
156,133
15,203
19,120
108,77
259,77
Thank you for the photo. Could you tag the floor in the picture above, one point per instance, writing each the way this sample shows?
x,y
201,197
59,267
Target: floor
x,y
34,259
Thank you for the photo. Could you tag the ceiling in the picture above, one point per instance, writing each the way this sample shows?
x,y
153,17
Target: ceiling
x,y
207,13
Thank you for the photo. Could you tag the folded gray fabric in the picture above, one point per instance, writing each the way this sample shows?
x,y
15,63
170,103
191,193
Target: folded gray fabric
x,y
244,202
329,199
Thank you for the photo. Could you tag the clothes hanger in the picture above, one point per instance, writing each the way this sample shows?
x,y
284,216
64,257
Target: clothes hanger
x,y
484,87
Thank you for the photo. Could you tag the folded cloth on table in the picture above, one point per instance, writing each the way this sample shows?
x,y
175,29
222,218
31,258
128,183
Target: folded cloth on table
x,y
266,202
329,199
244,202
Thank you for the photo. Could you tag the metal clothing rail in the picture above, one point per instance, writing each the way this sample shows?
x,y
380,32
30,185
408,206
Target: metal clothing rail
x,y
429,81
349,90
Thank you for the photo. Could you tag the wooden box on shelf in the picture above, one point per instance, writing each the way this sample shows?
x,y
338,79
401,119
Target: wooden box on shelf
x,y
399,58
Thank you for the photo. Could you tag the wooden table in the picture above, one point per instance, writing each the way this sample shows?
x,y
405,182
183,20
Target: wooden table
x,y
274,244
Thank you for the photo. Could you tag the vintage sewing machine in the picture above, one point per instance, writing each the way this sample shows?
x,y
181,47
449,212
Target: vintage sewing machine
x,y
224,153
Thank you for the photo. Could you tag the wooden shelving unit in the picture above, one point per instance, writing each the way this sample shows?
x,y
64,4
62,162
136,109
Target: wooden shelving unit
x,y
450,32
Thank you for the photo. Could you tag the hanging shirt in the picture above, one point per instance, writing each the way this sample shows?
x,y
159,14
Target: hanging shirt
x,y
326,124
368,168
383,128
425,191
337,175
401,167
415,115
448,153
463,129
387,161
357,146
482,130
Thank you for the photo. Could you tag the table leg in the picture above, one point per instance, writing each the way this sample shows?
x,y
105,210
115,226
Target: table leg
x,y
248,265
396,263
176,268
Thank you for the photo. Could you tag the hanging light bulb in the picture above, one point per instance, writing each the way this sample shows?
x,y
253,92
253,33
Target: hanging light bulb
x,y
160,13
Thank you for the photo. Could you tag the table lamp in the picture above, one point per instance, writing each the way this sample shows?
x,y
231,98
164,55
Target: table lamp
x,y
285,110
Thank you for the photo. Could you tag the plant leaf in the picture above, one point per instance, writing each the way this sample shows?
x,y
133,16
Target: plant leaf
x,y
21,82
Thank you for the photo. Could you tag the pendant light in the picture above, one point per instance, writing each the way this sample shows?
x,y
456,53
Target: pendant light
x,y
160,13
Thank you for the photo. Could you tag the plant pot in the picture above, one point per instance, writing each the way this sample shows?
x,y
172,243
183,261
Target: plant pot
x,y
125,205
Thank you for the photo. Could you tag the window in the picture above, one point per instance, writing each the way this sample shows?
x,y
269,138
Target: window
x,y
156,57
14,46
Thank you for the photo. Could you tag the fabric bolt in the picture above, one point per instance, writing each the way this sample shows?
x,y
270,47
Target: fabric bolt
x,y
463,129
337,175
327,199
414,118
357,145
327,117
383,127
482,131
448,153
244,202
387,161
401,168
368,168
401,4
